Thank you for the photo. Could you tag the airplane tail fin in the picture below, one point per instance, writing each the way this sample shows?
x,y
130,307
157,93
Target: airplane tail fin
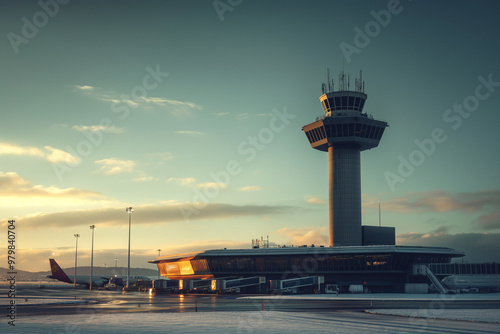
x,y
58,273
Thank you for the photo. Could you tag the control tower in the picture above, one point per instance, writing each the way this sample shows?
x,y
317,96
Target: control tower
x,y
344,132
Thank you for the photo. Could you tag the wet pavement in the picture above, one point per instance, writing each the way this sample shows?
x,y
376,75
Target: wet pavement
x,y
125,302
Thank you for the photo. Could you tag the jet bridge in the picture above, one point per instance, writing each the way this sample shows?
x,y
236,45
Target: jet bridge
x,y
223,284
195,284
163,285
294,283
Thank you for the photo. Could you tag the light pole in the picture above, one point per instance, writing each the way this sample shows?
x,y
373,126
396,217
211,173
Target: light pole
x,y
76,257
159,250
92,227
129,210
116,262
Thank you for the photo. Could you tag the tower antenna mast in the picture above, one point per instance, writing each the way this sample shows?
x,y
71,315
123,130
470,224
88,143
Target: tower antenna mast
x,y
379,219
328,79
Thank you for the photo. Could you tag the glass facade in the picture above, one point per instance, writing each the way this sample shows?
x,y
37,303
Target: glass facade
x,y
345,130
465,268
343,100
315,264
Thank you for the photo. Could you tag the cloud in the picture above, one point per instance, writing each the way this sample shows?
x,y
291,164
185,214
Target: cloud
x,y
211,185
486,203
242,116
13,185
478,247
250,188
144,179
84,88
13,149
112,166
316,201
98,128
305,236
203,245
132,103
183,181
147,214
57,155
176,107
489,221
191,133
160,157
54,154
164,102
442,201
10,180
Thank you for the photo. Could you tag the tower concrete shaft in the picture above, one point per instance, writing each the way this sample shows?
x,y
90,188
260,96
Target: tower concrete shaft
x,y
345,195
344,132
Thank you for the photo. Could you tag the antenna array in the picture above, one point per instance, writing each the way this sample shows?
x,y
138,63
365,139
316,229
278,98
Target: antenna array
x,y
344,83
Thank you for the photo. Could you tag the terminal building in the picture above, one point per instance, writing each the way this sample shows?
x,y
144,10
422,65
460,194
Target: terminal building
x,y
358,258
386,268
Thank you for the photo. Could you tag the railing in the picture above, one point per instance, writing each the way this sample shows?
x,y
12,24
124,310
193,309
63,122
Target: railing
x,y
436,282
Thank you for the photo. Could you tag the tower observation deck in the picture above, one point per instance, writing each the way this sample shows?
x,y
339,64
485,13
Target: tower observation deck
x,y
344,132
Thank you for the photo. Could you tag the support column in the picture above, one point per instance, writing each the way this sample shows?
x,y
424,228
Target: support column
x,y
330,193
345,195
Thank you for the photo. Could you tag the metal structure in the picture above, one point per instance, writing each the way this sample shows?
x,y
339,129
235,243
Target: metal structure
x,y
344,132
129,210
92,227
228,284
294,283
76,257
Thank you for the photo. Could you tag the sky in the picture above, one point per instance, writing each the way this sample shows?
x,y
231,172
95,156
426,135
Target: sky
x,y
191,113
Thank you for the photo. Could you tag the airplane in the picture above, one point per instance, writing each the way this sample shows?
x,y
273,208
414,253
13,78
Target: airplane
x,y
60,275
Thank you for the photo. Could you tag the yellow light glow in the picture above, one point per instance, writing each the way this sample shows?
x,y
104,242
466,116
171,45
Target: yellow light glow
x,y
186,268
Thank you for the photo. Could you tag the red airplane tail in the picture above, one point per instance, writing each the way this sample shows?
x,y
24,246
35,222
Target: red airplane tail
x,y
58,273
